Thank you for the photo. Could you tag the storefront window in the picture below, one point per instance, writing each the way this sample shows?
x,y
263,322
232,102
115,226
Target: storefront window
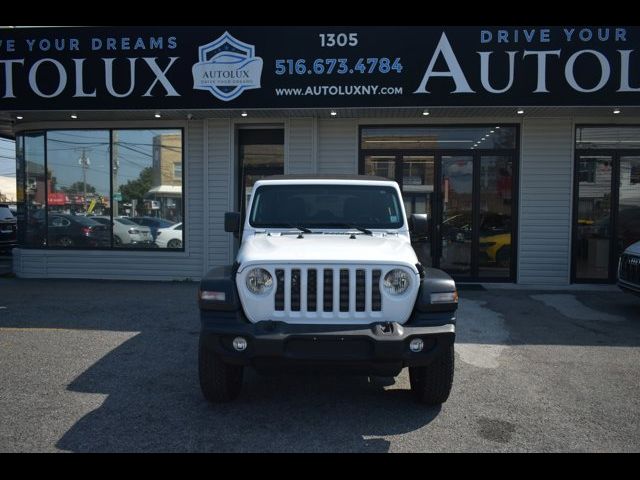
x,y
496,197
78,188
608,137
30,152
146,188
100,188
438,138
607,199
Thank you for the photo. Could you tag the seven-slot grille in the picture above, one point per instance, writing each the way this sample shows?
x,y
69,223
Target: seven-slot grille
x,y
630,268
325,290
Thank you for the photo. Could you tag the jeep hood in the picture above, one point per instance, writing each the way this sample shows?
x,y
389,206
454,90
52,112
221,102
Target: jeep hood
x,y
326,249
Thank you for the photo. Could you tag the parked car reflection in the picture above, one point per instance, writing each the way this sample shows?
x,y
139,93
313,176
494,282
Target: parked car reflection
x,y
153,223
76,231
8,228
127,233
170,237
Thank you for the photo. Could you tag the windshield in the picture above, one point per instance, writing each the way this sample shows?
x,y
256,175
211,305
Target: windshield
x,y
326,206
5,213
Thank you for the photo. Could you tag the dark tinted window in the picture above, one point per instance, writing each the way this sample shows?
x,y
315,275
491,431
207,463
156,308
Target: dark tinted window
x,y
326,206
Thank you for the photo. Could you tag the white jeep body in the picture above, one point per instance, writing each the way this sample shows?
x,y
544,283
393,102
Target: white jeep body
x,y
328,250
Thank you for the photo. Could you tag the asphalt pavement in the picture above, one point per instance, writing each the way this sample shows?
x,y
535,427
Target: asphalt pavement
x,y
93,366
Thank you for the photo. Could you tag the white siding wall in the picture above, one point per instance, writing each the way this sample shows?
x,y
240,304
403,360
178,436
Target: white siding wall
x,y
546,170
338,146
220,191
131,265
301,146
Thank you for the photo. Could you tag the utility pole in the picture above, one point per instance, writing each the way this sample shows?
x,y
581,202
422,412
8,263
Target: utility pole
x,y
84,163
114,180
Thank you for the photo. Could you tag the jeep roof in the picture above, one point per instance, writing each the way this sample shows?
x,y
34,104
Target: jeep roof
x,y
364,178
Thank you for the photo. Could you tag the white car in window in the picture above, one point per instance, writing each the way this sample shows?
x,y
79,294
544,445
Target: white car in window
x,y
170,237
126,232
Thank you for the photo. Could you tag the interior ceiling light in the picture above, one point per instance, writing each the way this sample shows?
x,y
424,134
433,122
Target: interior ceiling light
x,y
19,117
333,113
157,115
243,114
74,116
616,111
425,112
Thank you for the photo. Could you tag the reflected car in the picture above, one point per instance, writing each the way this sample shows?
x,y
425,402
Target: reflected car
x,y
8,228
76,231
170,237
629,269
126,232
153,223
496,249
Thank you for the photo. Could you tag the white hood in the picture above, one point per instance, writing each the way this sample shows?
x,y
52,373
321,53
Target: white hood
x,y
633,249
327,249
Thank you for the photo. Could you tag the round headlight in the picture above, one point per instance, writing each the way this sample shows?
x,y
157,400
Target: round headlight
x,y
259,281
396,282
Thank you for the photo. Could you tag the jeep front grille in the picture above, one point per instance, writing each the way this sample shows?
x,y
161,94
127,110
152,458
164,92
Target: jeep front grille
x,y
329,289
630,268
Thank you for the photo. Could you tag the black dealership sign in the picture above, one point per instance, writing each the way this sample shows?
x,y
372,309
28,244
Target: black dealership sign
x,y
300,67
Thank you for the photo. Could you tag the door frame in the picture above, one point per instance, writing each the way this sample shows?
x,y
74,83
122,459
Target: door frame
x,y
476,155
615,155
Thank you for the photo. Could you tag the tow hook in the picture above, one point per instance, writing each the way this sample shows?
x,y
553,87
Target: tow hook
x,y
388,329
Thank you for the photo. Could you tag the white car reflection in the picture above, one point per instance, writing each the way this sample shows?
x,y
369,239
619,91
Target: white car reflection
x,y
126,232
170,237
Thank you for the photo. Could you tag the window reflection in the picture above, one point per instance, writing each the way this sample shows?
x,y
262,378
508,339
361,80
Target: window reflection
x,y
99,194
34,192
429,138
147,186
496,184
78,186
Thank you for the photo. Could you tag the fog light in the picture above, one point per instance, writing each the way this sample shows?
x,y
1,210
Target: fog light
x,y
240,344
416,345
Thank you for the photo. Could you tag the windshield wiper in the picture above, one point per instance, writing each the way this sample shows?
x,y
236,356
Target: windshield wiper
x,y
288,225
349,225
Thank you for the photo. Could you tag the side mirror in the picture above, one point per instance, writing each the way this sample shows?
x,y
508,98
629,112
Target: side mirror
x,y
232,222
419,224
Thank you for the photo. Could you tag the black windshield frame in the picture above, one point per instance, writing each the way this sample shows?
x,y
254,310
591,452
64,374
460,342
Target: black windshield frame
x,y
327,206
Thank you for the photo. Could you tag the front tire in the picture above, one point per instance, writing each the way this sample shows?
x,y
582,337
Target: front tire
x,y
431,385
219,381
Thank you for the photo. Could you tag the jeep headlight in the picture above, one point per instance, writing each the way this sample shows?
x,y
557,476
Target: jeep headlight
x,y
259,281
396,282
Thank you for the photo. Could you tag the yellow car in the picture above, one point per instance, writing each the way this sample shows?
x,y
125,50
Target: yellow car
x,y
496,249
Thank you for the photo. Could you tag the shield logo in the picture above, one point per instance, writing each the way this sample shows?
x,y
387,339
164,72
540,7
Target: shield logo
x,y
227,67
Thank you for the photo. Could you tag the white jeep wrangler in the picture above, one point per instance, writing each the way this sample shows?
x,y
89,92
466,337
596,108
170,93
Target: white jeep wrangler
x,y
326,277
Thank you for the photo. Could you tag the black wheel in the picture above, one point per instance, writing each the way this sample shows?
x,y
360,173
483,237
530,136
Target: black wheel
x,y
65,242
432,384
116,241
503,257
174,244
219,381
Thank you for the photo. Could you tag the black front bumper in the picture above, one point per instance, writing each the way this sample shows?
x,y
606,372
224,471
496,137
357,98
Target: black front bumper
x,y
376,348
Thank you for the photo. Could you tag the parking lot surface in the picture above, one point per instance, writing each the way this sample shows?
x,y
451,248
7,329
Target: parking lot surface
x,y
92,366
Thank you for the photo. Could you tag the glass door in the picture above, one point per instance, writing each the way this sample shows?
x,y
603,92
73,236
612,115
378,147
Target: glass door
x,y
628,218
418,174
455,227
592,242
